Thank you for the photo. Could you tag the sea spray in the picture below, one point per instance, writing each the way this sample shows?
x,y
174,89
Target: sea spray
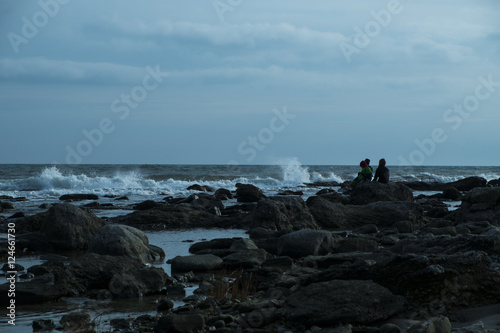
x,y
294,173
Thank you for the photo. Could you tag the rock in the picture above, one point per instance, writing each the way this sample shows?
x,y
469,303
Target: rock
x,y
148,204
243,244
170,217
382,214
465,184
451,193
367,192
43,325
439,324
245,259
304,243
182,323
338,301
67,227
122,240
76,321
205,201
6,205
78,197
214,244
390,328
223,194
282,213
201,188
165,305
248,193
196,263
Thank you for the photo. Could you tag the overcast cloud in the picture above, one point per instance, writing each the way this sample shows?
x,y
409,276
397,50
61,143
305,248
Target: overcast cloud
x,y
250,81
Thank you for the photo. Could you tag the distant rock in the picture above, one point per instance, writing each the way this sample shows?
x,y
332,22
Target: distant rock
x,y
248,193
305,242
201,188
367,192
78,197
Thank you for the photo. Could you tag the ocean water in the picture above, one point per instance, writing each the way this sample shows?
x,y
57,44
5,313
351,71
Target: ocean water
x,y
46,183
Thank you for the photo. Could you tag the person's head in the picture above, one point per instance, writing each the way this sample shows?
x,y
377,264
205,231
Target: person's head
x,y
363,164
367,160
381,162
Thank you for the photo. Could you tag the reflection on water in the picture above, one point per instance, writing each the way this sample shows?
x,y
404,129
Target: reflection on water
x,y
174,243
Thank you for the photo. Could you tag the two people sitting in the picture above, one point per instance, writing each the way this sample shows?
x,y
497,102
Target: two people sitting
x,y
366,173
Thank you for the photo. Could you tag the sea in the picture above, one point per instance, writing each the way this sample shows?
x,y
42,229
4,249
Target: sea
x,y
32,185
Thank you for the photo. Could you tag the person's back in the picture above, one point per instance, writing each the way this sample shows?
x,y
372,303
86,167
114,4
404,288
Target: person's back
x,y
382,173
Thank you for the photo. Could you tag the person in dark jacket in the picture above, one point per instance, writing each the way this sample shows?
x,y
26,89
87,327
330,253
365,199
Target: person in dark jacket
x,y
382,173
367,160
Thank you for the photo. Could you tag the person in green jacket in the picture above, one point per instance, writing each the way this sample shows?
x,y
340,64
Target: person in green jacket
x,y
366,173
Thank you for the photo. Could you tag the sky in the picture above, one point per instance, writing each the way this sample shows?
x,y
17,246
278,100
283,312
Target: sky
x,y
250,82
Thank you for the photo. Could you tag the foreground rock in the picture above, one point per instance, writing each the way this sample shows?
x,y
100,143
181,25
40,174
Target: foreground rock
x,y
305,242
64,227
338,301
122,240
367,192
123,277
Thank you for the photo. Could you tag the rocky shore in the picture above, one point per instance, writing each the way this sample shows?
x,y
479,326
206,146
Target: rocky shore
x,y
373,259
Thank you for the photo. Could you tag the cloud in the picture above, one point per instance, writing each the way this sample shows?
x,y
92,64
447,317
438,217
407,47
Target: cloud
x,y
48,70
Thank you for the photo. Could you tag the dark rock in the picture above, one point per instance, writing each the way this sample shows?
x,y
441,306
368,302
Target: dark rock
x,y
245,259
383,214
76,321
17,215
43,325
12,267
205,201
214,244
337,301
148,204
248,193
451,193
6,205
196,263
67,227
305,242
465,184
290,192
122,240
165,305
170,217
367,192
440,324
120,323
201,188
187,322
282,213
223,194
78,197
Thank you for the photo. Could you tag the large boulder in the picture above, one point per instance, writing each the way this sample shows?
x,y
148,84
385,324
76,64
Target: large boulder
x,y
69,228
334,302
304,243
248,193
196,263
383,214
282,213
479,204
122,240
366,192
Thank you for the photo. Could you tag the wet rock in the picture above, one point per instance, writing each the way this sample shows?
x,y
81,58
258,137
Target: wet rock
x,y
188,322
243,244
214,244
367,192
201,188
223,194
76,321
148,204
196,263
7,205
165,305
439,324
465,184
122,240
67,227
245,259
338,301
43,325
451,193
205,201
248,193
282,213
78,197
305,242
170,217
